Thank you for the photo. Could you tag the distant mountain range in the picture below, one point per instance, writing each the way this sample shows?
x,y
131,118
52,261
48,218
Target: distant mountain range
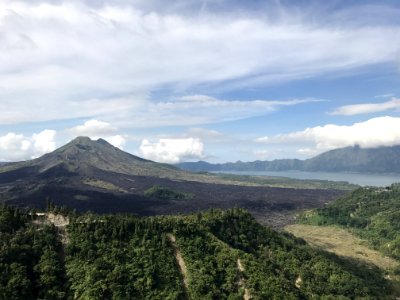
x,y
94,175
349,159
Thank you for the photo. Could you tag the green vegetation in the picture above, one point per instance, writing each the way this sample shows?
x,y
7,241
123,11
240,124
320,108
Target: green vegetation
x,y
226,254
371,213
120,257
31,266
162,192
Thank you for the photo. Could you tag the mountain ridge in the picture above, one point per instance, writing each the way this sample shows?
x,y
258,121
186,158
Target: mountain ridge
x,y
355,159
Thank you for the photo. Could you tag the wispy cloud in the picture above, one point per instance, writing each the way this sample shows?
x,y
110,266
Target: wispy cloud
x,y
382,131
201,109
367,108
74,59
388,95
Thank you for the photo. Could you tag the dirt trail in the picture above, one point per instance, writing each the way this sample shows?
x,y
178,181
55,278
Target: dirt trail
x,y
59,221
179,259
242,281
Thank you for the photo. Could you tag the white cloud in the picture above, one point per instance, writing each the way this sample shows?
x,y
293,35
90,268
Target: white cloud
x,y
116,140
207,134
382,131
172,150
102,61
44,142
98,129
93,129
16,147
367,108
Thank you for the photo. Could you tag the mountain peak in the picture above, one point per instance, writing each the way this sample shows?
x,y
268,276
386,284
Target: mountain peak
x,y
82,140
86,143
82,154
85,157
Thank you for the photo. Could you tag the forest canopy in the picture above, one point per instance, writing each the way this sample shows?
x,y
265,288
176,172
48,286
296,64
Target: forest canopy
x,y
225,254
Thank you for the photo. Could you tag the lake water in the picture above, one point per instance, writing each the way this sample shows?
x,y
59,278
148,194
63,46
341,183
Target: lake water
x,y
354,178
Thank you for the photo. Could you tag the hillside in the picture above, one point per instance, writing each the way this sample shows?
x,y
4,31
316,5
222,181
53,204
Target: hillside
x,y
213,255
94,175
349,159
371,213
356,159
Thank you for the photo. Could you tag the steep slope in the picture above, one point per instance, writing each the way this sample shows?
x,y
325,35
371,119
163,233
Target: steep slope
x,y
223,255
349,159
371,213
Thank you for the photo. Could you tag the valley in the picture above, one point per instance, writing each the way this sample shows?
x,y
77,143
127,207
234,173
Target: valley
x,y
199,150
146,230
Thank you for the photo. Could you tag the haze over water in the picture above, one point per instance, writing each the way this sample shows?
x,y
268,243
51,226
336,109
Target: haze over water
x,y
354,178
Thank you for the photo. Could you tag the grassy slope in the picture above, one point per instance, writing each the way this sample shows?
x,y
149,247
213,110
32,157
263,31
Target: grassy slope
x,y
363,226
371,213
342,243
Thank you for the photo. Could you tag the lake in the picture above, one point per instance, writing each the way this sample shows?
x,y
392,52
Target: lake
x,y
354,178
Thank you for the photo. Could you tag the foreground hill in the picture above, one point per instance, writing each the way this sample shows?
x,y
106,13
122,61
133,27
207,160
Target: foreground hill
x,y
214,255
349,159
94,175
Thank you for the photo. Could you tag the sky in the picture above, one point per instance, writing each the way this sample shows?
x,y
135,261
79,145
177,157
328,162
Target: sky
x,y
189,80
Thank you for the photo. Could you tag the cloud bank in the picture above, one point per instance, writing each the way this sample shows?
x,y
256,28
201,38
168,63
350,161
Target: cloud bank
x,y
375,132
16,147
172,150
97,129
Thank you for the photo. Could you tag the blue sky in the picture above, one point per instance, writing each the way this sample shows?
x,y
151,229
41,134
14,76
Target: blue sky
x,y
213,80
